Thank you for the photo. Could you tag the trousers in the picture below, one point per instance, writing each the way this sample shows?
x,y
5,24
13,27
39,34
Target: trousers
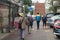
x,y
38,24
22,33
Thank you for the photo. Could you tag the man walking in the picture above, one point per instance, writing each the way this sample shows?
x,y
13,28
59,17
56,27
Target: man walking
x,y
30,23
44,19
38,18
22,25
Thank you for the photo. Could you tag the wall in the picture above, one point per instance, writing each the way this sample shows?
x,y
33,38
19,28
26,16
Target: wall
x,y
40,8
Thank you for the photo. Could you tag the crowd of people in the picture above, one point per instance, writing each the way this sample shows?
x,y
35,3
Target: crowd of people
x,y
21,22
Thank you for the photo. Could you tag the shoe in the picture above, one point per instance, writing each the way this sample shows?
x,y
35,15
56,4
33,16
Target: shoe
x,y
32,28
29,33
22,38
38,29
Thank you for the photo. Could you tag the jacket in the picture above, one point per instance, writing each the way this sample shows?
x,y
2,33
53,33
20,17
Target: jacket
x,y
38,18
23,25
29,20
44,19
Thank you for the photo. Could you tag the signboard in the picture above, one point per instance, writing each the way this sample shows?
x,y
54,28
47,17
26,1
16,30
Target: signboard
x,y
30,8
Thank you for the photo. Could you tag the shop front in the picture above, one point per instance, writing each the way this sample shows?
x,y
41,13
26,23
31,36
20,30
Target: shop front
x,y
8,12
4,11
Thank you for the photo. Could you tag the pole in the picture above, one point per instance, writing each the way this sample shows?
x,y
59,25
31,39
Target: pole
x,y
8,28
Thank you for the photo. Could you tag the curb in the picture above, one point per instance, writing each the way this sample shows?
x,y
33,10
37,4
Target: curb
x,y
7,34
4,36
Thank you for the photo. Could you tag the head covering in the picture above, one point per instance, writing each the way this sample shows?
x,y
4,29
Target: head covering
x,y
29,15
38,14
21,14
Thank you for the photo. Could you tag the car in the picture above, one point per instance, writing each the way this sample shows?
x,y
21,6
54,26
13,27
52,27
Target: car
x,y
48,16
56,14
51,21
56,28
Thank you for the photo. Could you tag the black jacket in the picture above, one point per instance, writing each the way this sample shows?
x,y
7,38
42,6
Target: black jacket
x,y
44,18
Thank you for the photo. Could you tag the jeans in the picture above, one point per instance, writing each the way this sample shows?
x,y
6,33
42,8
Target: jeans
x,y
22,33
44,23
29,27
38,24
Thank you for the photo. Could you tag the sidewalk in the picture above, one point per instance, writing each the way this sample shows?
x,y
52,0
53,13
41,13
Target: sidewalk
x,y
41,34
3,35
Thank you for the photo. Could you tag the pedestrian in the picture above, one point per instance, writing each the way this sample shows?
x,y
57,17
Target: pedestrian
x,y
30,23
22,25
44,19
16,23
38,18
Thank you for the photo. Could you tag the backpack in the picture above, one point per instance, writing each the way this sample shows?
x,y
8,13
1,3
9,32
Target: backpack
x,y
30,19
44,17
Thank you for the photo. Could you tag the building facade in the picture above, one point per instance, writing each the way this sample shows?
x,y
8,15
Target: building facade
x,y
8,11
40,8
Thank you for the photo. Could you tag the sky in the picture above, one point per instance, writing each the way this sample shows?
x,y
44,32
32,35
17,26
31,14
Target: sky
x,y
40,1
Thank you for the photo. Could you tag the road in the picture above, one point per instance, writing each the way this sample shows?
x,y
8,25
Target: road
x,y
41,34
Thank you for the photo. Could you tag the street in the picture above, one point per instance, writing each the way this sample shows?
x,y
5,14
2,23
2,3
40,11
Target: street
x,y
14,13
41,34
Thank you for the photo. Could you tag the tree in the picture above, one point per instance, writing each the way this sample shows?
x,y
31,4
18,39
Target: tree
x,y
27,2
26,9
31,12
52,8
